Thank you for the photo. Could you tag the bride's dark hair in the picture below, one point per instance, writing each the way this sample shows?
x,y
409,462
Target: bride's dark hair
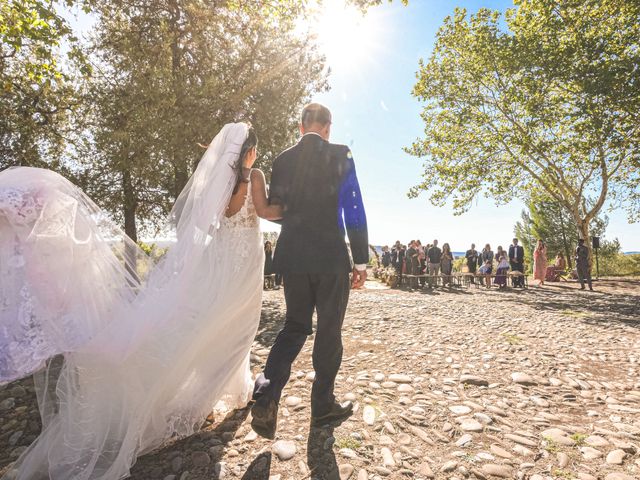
x,y
249,143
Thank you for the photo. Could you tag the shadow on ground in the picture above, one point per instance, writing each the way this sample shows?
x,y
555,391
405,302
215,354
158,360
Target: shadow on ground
x,y
271,321
609,304
174,457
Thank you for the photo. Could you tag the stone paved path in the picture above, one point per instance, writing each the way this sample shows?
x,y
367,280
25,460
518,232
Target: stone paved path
x,y
541,384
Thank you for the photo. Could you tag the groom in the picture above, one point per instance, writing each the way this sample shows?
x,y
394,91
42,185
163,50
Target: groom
x,y
315,181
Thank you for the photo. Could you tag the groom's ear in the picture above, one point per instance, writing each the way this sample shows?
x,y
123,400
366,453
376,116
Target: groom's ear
x,y
301,129
327,131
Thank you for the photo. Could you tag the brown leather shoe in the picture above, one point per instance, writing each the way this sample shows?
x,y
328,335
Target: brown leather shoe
x,y
265,419
339,411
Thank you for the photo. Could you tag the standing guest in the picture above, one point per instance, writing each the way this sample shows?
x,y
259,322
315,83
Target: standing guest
x,y
402,252
540,262
503,268
394,254
434,255
412,263
422,262
472,261
582,264
278,274
268,260
499,252
446,264
386,256
516,260
486,257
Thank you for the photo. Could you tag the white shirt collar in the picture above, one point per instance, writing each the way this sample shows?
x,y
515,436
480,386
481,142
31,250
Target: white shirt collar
x,y
312,133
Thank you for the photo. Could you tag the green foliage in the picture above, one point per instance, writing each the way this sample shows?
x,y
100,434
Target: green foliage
x,y
37,95
550,104
347,442
172,73
579,438
613,263
546,219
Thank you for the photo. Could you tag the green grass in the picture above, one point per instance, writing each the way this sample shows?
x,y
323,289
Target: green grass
x,y
347,442
512,338
575,313
558,473
579,438
551,445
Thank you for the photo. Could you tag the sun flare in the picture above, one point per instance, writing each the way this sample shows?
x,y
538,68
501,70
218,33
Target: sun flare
x,y
344,34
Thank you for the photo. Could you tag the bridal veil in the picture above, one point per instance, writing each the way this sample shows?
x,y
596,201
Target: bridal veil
x,y
127,353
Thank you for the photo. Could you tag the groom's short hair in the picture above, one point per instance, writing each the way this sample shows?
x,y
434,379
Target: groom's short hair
x,y
315,113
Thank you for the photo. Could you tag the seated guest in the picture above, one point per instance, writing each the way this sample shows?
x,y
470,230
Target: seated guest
x,y
487,256
503,268
561,263
557,269
486,270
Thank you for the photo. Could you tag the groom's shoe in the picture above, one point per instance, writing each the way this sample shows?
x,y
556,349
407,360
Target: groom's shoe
x,y
265,418
338,411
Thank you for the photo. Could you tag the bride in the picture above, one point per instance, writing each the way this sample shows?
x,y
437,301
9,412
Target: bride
x,y
129,354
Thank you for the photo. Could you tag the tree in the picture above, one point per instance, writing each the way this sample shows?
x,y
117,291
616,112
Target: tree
x,y
546,219
551,103
37,95
169,74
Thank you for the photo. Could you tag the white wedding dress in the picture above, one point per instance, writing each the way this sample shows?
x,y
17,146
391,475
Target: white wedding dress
x,y
147,351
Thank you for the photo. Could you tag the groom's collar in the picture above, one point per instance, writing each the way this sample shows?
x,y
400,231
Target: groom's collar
x,y
312,133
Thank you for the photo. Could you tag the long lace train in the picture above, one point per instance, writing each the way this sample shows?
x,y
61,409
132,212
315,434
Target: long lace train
x,y
147,351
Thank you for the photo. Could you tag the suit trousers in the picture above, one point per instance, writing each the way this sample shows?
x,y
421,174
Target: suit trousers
x,y
328,295
584,273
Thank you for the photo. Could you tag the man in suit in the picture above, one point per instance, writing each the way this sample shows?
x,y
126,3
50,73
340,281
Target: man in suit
x,y
434,255
472,261
315,182
394,255
516,260
583,267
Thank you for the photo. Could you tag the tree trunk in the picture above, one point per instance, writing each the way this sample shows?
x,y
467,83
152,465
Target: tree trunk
x,y
130,205
565,243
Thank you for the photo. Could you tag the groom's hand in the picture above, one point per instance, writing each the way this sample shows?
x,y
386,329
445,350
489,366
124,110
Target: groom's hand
x,y
358,278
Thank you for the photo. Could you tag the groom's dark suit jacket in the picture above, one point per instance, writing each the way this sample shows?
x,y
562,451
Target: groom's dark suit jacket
x,y
316,183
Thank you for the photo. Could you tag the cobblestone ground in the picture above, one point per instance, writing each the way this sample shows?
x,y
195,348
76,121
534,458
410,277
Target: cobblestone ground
x,y
537,384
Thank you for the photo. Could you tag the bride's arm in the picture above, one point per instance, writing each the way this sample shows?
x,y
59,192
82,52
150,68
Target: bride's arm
x,y
260,200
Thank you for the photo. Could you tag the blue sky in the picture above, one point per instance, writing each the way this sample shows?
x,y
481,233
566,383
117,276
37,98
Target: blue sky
x,y
375,114
373,65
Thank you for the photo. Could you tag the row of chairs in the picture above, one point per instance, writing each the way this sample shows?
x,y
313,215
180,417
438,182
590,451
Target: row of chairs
x,y
462,279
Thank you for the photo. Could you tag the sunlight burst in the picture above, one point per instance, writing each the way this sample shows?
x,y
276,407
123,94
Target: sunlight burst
x,y
345,35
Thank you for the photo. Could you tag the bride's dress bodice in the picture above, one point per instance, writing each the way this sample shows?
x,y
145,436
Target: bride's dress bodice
x,y
241,233
245,218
